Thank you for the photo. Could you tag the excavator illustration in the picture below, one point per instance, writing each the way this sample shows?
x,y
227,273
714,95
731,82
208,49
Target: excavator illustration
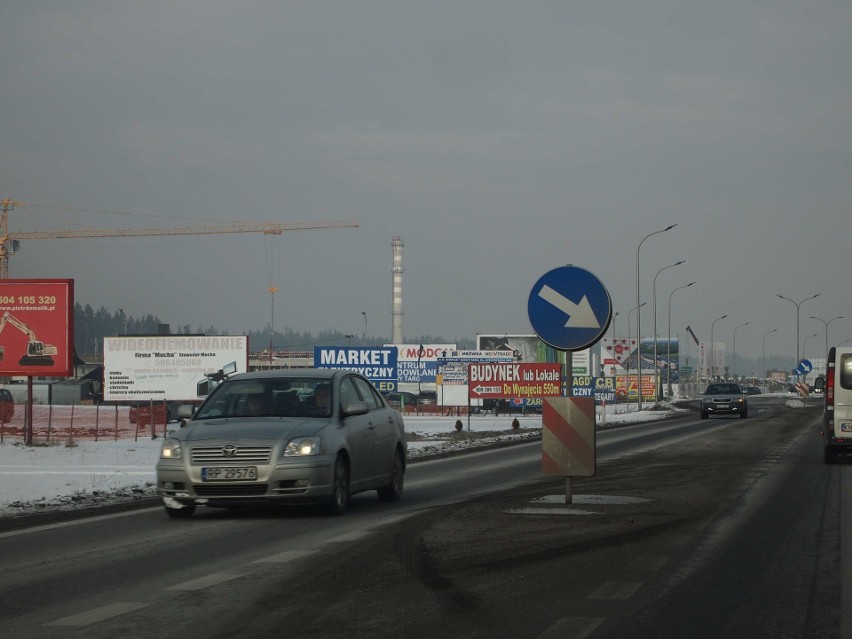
x,y
38,353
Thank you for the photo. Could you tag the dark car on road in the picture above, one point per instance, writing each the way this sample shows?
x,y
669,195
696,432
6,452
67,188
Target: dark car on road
x,y
400,400
724,398
427,400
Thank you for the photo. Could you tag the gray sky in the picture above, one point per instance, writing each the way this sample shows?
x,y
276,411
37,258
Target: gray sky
x,y
497,139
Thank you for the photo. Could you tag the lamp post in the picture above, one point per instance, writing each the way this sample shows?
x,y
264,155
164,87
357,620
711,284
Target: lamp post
x,y
614,315
798,305
735,348
656,360
628,333
639,314
713,350
669,342
804,343
827,322
364,313
764,356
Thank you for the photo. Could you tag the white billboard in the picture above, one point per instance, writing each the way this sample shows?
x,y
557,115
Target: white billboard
x,y
167,367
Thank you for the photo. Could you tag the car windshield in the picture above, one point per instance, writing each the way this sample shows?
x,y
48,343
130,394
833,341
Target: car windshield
x,y
723,389
293,397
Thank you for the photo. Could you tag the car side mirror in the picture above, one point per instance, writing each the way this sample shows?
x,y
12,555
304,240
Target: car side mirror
x,y
354,408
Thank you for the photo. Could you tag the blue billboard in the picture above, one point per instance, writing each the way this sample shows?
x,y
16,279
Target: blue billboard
x,y
377,363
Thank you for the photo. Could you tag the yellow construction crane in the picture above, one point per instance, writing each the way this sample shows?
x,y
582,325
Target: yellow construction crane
x,y
9,241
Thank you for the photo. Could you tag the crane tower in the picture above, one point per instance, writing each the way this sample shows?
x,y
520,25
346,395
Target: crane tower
x,y
9,241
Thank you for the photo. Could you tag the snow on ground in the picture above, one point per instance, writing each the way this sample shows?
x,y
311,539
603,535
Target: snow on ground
x,y
68,473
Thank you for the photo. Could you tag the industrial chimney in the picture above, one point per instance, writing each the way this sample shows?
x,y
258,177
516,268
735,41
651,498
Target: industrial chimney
x,y
396,311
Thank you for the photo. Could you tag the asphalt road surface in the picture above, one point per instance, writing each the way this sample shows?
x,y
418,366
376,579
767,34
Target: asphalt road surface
x,y
713,528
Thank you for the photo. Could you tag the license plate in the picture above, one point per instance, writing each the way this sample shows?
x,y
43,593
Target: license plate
x,y
229,473
846,427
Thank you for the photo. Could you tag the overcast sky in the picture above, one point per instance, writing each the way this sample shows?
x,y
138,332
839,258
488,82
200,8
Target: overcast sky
x,y
499,140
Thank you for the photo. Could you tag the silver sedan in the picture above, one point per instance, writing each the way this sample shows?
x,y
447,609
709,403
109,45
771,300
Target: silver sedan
x,y
295,436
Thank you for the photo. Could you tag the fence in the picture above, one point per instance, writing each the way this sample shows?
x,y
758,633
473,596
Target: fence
x,y
64,422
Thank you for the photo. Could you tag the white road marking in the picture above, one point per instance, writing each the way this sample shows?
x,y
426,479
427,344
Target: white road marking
x,y
616,590
285,557
572,628
206,582
98,614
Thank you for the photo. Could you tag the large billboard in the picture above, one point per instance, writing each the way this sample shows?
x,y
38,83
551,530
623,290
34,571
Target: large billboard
x,y
37,328
167,367
378,364
619,355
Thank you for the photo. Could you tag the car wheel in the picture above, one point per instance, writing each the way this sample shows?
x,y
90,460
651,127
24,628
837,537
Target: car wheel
x,y
704,414
185,511
393,491
340,488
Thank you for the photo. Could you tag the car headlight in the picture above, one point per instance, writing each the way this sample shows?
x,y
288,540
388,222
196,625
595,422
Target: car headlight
x,y
303,447
171,449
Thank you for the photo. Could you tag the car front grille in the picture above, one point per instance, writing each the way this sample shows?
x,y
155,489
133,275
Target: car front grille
x,y
259,455
229,490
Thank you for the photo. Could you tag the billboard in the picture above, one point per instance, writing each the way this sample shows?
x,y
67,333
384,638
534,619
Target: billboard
x,y
37,327
619,355
524,348
493,380
378,363
167,367
418,363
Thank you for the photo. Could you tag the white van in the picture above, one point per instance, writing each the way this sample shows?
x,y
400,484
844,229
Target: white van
x,y
837,419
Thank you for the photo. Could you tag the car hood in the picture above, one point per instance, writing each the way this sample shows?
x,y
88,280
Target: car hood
x,y
260,428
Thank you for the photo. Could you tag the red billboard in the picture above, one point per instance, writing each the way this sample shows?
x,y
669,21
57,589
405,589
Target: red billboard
x,y
37,328
491,380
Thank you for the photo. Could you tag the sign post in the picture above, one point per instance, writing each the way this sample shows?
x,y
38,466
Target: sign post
x,y
570,309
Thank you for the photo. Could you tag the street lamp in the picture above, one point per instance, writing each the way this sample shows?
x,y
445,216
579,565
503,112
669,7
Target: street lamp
x,y
827,322
764,356
364,313
639,314
656,360
798,305
735,349
628,334
272,291
669,342
614,315
713,350
805,343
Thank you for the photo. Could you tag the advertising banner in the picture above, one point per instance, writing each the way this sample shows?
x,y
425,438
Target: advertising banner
x,y
168,367
378,364
515,380
418,363
601,388
452,369
625,387
37,328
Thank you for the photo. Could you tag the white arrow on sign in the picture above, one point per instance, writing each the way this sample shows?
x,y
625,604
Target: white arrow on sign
x,y
579,315
482,390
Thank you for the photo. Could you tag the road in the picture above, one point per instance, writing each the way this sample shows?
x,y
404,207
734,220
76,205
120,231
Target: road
x,y
690,528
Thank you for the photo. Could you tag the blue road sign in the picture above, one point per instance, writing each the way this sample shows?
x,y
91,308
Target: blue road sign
x,y
569,308
804,367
